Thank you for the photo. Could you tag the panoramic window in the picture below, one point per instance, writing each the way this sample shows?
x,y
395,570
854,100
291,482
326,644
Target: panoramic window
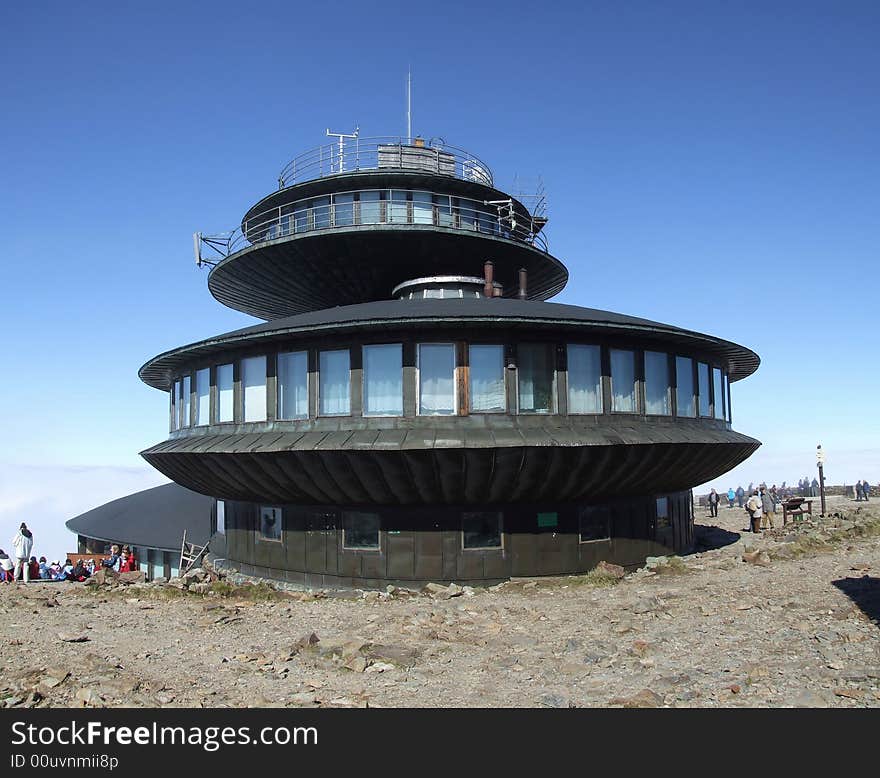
x,y
684,386
224,393
221,517
657,384
423,208
436,379
535,375
481,530
727,385
203,397
486,379
186,405
293,385
370,207
398,206
270,523
383,380
360,531
594,523
334,383
584,379
301,216
467,216
703,375
623,381
321,212
253,388
343,209
718,392
175,406
444,211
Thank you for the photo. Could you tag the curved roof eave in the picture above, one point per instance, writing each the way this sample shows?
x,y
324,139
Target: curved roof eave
x,y
741,361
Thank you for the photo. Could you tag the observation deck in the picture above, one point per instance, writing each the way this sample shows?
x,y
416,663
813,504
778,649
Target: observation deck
x,y
349,223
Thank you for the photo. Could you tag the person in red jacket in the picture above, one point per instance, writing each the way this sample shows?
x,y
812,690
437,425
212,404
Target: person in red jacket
x,y
125,564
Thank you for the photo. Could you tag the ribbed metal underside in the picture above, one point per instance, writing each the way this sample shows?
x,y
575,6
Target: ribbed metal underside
x,y
394,467
344,266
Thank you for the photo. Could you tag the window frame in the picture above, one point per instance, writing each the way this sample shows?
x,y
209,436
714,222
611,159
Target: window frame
x,y
504,379
320,414
635,379
278,386
261,538
554,400
602,510
372,415
568,383
456,400
499,547
362,549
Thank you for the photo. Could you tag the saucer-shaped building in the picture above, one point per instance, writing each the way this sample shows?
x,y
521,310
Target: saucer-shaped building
x,y
412,409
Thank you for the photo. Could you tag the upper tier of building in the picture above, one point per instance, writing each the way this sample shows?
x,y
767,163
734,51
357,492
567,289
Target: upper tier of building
x,y
348,224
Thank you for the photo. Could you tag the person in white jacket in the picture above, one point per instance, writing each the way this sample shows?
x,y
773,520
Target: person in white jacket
x,y
22,544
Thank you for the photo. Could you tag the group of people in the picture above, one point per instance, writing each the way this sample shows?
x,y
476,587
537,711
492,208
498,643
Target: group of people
x,y
21,566
760,505
863,490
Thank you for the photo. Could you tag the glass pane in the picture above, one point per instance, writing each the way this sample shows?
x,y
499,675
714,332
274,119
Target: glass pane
x,y
444,212
729,406
584,379
270,523
488,219
383,380
594,524
535,373
343,210
623,377
657,383
203,394
221,517
436,379
360,530
253,388
684,392
293,385
371,207
224,393
486,379
467,214
175,406
321,212
300,217
334,388
718,392
423,208
703,375
187,396
481,530
397,208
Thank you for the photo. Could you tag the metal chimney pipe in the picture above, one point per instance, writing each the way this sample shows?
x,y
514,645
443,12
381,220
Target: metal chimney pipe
x,y
496,291
523,283
489,276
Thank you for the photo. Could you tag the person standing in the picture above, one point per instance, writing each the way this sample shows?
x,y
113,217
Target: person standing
x,y
753,506
866,489
858,491
714,499
814,488
768,508
740,495
731,496
22,543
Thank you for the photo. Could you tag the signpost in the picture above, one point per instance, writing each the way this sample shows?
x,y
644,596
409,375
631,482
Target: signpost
x,y
820,461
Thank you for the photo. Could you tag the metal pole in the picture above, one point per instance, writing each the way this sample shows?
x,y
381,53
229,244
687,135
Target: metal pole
x,y
409,107
822,487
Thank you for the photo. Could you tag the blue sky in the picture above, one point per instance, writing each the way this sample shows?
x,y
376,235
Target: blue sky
x,y
710,165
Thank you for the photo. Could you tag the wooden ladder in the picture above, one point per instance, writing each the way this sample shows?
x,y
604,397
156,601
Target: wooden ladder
x,y
190,554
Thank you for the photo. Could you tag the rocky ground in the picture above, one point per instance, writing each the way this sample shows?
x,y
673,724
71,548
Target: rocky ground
x,y
787,618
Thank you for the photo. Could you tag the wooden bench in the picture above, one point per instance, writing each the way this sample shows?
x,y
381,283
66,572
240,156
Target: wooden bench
x,y
796,507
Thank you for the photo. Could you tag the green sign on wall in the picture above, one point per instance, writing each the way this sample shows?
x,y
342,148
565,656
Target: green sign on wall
x,y
548,519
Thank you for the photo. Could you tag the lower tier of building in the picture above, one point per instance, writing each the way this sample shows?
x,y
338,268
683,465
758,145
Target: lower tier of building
x,y
372,547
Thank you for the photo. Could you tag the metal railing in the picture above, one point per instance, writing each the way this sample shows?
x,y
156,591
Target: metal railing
x,y
388,153
348,209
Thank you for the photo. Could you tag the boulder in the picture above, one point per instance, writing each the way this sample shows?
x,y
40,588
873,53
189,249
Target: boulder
x,y
612,571
135,576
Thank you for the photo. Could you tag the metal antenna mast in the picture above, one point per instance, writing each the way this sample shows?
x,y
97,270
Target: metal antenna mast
x,y
409,106
342,136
